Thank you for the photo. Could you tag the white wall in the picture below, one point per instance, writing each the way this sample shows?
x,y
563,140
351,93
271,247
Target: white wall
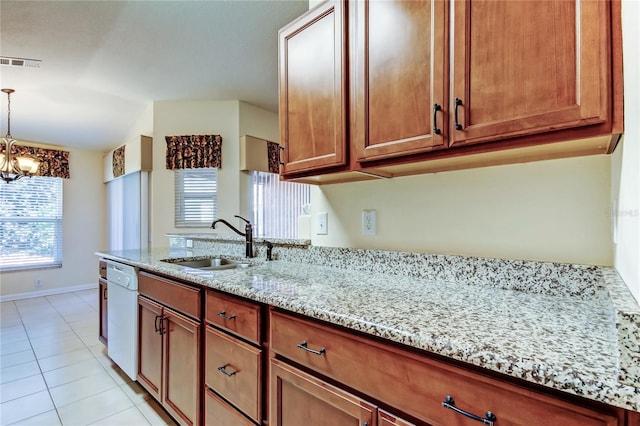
x,y
84,233
555,210
626,159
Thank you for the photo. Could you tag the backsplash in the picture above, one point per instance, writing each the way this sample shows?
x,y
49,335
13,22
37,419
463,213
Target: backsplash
x,y
555,279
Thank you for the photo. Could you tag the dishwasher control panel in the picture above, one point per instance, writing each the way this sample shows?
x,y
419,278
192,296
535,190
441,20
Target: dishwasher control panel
x,y
122,275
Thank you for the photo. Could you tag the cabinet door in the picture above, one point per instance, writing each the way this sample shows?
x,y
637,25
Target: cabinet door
x,y
149,346
103,320
313,90
525,67
182,387
398,77
298,398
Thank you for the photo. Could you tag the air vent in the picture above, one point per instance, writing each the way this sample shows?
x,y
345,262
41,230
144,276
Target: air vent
x,y
19,62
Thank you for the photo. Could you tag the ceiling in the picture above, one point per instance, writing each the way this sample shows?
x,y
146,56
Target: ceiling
x,y
105,62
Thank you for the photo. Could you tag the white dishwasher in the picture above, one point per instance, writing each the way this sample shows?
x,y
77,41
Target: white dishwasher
x,y
122,314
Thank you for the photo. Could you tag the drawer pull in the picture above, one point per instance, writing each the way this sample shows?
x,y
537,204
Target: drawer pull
x,y
489,418
304,346
223,370
157,327
224,315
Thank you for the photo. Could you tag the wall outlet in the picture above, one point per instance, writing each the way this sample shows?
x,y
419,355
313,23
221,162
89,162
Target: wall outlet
x,y
37,283
322,223
368,222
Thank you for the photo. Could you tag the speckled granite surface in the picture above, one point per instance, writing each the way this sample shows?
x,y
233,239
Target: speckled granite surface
x,y
563,333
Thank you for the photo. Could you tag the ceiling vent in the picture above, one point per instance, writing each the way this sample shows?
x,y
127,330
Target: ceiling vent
x,y
19,62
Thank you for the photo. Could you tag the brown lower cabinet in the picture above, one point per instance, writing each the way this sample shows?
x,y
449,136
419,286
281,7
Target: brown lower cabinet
x,y
103,319
169,355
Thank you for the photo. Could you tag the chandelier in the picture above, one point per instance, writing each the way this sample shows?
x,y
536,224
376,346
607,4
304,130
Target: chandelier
x,y
14,168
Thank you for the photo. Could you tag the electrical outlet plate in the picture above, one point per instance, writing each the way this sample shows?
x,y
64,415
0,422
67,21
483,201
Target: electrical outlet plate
x,y
322,223
368,222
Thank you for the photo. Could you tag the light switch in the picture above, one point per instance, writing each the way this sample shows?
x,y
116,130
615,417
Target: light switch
x,y
321,223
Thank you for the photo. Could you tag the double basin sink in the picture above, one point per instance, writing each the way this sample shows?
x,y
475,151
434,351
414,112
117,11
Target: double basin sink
x,y
215,264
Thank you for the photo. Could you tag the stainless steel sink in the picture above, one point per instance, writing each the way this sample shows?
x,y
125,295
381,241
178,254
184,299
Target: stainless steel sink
x,y
209,264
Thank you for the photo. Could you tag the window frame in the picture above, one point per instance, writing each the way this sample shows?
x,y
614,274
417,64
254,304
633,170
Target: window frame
x,y
181,210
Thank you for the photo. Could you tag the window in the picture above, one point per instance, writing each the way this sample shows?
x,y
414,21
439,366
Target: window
x,y
277,205
196,194
31,223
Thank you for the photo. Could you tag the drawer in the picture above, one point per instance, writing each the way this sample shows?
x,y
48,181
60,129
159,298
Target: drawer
x,y
234,315
418,385
218,412
234,370
183,298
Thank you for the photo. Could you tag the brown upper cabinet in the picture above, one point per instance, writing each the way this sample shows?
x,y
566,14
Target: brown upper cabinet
x,y
389,88
313,97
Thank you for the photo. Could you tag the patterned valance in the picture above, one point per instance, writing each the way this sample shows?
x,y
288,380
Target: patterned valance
x,y
53,162
117,162
273,157
194,152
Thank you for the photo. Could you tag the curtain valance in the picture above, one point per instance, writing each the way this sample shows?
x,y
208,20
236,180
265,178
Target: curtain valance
x,y
53,162
194,152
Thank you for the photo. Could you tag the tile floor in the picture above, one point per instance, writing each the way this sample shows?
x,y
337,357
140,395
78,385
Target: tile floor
x,y
54,371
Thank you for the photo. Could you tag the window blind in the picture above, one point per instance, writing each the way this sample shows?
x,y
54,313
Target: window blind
x,y
31,223
195,197
277,205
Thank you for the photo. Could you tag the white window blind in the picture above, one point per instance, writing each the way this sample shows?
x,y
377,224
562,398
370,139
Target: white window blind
x,y
277,205
31,223
196,197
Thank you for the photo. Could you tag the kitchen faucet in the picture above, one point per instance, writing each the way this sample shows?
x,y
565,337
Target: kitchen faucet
x,y
248,233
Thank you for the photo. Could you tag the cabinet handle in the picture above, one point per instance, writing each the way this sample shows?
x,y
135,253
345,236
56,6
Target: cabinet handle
x,y
223,370
458,103
304,346
156,323
104,293
279,155
489,418
224,315
436,108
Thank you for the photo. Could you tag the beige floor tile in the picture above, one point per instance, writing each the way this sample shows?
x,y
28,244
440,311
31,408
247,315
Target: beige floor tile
x,y
49,418
12,335
117,374
59,348
89,339
136,393
17,358
52,338
64,359
25,407
94,408
98,349
20,371
128,417
90,317
48,330
73,372
81,389
154,413
11,348
22,387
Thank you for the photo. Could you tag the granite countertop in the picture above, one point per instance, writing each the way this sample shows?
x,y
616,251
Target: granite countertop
x,y
559,341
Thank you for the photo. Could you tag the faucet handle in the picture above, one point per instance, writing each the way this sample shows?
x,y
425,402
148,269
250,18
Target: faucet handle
x,y
240,217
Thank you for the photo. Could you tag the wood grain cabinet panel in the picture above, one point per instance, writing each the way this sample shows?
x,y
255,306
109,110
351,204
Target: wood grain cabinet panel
x,y
526,67
218,413
232,314
169,346
398,76
234,370
417,385
313,99
298,398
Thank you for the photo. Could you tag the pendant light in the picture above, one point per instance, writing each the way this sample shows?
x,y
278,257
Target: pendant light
x,y
14,168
